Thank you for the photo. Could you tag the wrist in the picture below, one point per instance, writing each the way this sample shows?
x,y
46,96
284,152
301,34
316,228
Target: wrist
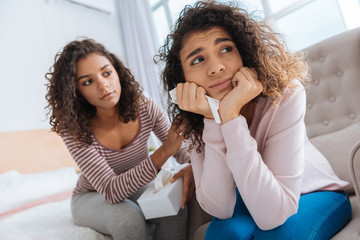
x,y
160,156
228,118
209,116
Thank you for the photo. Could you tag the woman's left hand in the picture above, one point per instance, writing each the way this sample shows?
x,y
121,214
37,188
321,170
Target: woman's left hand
x,y
189,184
246,87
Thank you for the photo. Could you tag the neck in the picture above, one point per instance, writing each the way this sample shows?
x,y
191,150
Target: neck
x,y
105,118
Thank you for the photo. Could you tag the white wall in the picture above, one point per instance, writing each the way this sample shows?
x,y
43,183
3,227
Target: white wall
x,y
31,32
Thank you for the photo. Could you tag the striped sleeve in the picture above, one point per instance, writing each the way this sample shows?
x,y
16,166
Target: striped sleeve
x,y
114,188
161,126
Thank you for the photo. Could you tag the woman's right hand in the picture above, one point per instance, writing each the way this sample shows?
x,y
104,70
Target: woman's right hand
x,y
246,87
170,146
191,98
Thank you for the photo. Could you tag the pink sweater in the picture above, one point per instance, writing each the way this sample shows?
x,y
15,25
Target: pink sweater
x,y
117,174
271,163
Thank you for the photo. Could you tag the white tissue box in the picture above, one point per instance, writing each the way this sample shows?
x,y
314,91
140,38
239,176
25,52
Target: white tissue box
x,y
165,202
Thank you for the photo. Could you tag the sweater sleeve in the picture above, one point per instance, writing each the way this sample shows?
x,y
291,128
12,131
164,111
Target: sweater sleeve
x,y
114,188
215,187
269,183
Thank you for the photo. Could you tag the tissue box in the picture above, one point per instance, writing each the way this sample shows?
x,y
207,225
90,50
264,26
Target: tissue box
x,y
165,202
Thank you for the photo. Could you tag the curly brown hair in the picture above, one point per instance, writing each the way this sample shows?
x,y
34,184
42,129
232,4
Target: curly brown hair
x,y
69,112
260,48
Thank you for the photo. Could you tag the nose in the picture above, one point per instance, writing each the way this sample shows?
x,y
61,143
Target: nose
x,y
216,67
102,84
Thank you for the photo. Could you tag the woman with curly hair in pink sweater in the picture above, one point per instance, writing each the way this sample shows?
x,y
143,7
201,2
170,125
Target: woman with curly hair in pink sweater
x,y
255,170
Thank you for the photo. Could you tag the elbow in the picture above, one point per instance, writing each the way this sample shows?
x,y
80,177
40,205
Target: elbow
x,y
277,218
112,198
269,225
228,213
219,208
109,199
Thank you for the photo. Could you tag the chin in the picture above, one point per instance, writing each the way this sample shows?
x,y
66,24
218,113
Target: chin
x,y
220,95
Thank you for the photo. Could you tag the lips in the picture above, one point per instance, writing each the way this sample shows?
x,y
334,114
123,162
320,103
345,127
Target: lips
x,y
107,95
222,83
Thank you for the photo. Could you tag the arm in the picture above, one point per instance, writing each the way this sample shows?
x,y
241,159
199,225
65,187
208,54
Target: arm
x,y
114,188
270,183
161,128
215,186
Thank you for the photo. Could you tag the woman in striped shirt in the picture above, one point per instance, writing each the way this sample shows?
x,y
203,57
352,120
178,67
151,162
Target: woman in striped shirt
x,y
105,121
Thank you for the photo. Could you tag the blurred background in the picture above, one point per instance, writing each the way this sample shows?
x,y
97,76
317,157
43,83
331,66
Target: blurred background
x,y
33,31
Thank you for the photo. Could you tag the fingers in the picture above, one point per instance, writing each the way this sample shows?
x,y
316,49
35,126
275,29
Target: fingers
x,y
179,93
192,92
247,73
180,174
189,185
185,194
247,78
200,93
250,73
191,97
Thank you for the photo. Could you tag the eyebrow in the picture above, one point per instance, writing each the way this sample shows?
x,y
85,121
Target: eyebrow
x,y
217,41
88,75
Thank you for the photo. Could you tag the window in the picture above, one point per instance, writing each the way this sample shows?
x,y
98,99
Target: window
x,y
302,22
164,14
305,22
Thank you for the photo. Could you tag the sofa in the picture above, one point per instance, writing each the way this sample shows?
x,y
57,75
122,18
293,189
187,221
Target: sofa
x,y
332,121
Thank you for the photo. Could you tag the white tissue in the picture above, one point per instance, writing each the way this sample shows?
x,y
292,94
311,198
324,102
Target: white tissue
x,y
165,175
213,103
173,96
214,106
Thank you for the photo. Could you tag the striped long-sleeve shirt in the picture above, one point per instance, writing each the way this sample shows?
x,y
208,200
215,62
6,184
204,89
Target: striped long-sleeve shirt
x,y
117,174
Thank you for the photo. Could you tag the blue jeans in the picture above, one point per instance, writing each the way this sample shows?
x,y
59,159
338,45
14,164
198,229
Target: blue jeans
x,y
320,216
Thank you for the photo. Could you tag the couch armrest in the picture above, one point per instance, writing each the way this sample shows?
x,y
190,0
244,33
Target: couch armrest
x,y
355,169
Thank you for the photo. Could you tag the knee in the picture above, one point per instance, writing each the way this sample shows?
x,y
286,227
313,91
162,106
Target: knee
x,y
128,223
229,229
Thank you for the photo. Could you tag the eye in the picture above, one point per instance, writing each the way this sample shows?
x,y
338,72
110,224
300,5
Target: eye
x,y
87,82
107,73
226,50
197,60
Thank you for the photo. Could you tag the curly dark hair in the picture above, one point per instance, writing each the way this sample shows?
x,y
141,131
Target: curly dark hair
x,y
260,48
69,111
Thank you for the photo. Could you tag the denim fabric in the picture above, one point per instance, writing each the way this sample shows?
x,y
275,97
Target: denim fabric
x,y
320,216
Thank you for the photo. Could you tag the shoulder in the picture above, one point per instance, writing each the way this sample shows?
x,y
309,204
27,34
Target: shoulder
x,y
293,95
148,103
295,90
152,106
292,105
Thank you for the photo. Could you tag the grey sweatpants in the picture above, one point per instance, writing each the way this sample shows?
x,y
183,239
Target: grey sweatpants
x,y
125,220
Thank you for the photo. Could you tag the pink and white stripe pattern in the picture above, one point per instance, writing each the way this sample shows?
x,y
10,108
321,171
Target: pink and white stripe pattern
x,y
117,174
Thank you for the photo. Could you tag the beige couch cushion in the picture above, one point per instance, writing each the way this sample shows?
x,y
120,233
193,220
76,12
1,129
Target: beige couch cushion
x,y
336,147
333,99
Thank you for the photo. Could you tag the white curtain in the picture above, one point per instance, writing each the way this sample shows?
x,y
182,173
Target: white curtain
x,y
140,47
135,20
